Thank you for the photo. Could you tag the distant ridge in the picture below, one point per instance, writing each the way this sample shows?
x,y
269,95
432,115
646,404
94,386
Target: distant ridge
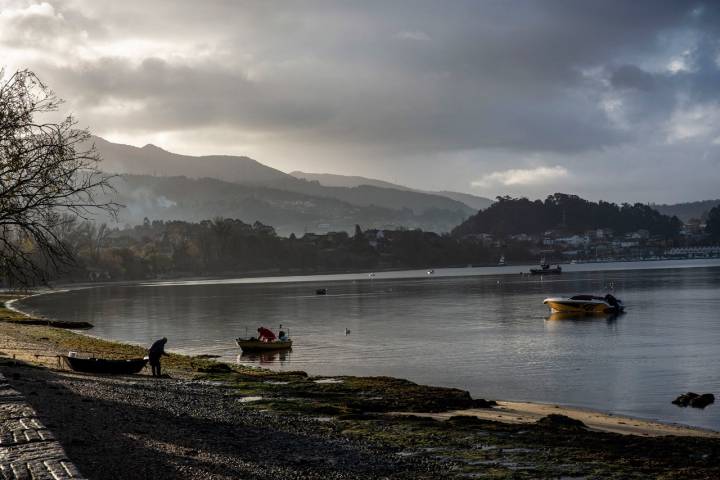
x,y
688,210
334,180
281,194
153,160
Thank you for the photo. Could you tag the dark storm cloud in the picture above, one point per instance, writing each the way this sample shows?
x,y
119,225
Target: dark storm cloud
x,y
631,76
557,82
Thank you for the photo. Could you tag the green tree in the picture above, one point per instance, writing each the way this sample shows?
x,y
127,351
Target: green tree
x,y
712,226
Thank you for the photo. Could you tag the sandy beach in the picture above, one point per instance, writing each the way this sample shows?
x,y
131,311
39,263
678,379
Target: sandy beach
x,y
527,412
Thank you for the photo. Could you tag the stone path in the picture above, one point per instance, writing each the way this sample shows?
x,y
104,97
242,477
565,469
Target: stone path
x,y
28,450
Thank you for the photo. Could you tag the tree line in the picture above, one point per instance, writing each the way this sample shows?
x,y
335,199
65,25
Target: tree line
x,y
159,249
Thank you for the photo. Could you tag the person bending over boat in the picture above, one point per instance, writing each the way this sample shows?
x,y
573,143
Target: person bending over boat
x,y
156,351
265,334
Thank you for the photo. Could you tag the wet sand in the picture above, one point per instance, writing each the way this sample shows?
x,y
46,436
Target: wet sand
x,y
526,412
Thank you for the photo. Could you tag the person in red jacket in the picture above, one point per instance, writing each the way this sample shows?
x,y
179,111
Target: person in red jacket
x,y
265,335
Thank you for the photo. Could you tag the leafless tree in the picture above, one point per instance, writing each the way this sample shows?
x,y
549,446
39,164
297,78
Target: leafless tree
x,y
48,176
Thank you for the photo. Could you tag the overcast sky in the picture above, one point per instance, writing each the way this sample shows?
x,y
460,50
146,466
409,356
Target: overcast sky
x,y
617,100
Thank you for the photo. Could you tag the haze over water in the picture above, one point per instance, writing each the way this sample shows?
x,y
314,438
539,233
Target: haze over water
x,y
475,328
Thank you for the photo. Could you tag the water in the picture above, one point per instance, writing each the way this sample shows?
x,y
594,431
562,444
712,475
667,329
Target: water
x,y
477,329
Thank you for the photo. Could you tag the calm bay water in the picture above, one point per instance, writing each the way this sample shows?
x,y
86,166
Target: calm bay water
x,y
481,329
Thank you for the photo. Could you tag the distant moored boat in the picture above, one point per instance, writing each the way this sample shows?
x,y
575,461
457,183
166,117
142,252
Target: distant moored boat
x,y
546,269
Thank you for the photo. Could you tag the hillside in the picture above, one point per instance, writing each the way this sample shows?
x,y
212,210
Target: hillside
x,y
332,180
568,213
688,210
166,198
151,160
472,201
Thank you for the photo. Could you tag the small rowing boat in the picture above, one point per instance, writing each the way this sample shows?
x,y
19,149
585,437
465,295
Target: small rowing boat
x,y
255,345
104,365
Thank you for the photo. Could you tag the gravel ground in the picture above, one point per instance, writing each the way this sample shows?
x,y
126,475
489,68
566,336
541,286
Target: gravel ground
x,y
141,428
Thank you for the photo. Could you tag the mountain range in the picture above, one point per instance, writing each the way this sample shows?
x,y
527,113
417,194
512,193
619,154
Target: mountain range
x,y
332,180
162,185
158,184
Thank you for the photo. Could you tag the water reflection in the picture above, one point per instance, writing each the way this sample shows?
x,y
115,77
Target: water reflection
x,y
609,318
276,357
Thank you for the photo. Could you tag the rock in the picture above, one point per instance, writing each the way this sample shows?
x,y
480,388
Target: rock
x,y
482,403
561,421
694,400
703,400
684,399
467,420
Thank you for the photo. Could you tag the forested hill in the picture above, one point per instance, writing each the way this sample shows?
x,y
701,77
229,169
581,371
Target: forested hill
x,y
190,199
568,213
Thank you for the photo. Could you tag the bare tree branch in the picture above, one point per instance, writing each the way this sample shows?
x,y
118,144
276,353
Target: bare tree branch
x,y
48,177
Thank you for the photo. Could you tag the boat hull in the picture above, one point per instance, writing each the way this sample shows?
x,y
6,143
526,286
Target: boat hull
x,y
568,306
258,346
545,271
101,365
576,317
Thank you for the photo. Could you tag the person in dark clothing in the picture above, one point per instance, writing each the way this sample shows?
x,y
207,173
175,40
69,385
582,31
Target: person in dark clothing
x,y
611,300
156,351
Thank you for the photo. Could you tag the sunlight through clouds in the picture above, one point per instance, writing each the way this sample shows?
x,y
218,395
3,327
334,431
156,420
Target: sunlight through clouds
x,y
518,176
390,90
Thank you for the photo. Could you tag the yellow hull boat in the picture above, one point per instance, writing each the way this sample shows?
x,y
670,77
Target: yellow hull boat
x,y
585,304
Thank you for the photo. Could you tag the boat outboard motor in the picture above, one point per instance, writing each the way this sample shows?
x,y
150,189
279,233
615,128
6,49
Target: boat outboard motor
x,y
612,301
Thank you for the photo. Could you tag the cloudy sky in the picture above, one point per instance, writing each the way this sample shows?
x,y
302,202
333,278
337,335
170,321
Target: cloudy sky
x,y
607,99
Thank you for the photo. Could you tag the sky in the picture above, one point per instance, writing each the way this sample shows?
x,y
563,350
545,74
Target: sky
x,y
615,100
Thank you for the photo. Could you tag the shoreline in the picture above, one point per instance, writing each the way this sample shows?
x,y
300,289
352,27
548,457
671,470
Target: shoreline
x,y
507,411
211,420
252,277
